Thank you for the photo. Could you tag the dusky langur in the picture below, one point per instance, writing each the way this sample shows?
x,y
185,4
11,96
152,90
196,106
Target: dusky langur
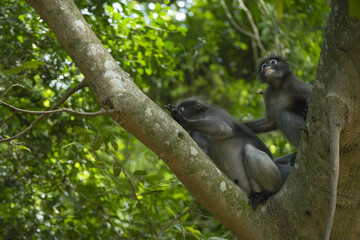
x,y
286,100
235,150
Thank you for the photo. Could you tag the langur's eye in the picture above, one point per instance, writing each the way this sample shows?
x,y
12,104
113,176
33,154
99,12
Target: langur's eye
x,y
263,66
273,62
181,109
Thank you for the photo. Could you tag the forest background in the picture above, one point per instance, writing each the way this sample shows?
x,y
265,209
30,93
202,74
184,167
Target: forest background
x,y
74,177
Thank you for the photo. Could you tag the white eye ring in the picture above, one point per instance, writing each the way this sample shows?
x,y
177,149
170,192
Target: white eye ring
x,y
181,109
263,66
273,62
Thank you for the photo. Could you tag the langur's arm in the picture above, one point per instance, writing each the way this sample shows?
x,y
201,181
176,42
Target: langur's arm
x,y
262,125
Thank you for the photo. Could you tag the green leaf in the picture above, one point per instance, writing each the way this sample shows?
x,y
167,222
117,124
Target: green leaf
x,y
13,70
169,45
21,147
124,8
33,64
142,62
182,30
196,233
172,27
114,145
148,70
171,211
183,218
68,145
140,71
138,12
157,7
97,143
140,173
116,167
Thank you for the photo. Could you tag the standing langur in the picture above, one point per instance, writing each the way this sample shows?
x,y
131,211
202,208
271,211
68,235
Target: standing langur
x,y
286,100
235,150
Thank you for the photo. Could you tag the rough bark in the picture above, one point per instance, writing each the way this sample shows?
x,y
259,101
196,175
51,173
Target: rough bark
x,y
335,97
299,210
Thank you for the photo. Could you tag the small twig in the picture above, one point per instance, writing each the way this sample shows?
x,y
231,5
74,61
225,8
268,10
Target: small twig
x,y
128,179
255,49
204,216
263,7
264,10
8,118
153,27
112,178
36,121
232,21
162,230
14,85
138,200
253,25
98,113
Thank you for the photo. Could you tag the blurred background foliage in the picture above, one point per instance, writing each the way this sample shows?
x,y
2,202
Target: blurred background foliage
x,y
85,178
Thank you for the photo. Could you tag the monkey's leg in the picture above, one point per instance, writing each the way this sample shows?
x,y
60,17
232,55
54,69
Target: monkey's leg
x,y
264,176
261,169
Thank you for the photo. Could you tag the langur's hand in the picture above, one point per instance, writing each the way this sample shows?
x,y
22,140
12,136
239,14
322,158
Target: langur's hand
x,y
175,113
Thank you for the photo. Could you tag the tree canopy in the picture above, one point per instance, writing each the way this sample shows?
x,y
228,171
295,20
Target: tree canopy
x,y
76,177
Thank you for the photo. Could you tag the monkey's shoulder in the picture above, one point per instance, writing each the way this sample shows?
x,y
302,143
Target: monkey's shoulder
x,y
217,113
294,84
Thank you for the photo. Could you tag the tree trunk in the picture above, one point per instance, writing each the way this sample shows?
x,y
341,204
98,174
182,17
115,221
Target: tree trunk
x,y
300,208
335,95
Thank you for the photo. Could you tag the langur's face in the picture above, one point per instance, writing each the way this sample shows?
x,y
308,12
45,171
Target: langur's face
x,y
273,68
191,108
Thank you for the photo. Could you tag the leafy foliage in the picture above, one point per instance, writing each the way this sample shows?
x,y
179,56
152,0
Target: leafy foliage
x,y
84,178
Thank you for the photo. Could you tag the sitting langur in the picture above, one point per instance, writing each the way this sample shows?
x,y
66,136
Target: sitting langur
x,y
237,151
286,100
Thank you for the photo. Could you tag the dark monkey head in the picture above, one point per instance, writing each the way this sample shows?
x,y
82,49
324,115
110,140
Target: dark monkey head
x,y
192,108
273,69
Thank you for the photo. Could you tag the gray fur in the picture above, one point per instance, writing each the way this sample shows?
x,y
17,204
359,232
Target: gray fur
x,y
286,99
235,150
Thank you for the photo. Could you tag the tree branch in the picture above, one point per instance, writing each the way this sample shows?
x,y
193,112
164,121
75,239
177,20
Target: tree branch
x,y
233,22
86,114
128,179
255,36
253,25
162,230
36,121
